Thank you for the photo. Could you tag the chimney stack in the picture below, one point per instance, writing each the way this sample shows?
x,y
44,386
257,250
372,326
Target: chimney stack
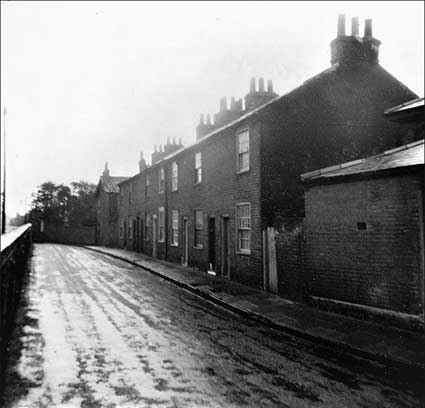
x,y
355,27
341,25
208,119
252,86
201,119
353,50
368,28
223,104
269,86
261,85
142,163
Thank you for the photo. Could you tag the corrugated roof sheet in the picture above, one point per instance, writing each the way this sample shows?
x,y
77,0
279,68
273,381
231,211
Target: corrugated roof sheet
x,y
411,154
415,103
110,183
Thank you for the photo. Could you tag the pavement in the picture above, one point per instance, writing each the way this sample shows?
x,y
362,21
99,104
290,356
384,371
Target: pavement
x,y
370,340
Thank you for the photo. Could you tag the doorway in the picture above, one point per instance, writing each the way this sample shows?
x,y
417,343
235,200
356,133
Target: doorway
x,y
154,233
185,243
225,266
134,234
211,244
125,234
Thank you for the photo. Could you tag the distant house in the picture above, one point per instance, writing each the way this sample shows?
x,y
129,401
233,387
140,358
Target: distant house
x,y
364,230
107,194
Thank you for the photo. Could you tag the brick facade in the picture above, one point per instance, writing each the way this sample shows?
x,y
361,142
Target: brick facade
x,y
336,115
363,241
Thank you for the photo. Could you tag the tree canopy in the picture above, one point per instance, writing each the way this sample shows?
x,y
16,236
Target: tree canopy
x,y
62,204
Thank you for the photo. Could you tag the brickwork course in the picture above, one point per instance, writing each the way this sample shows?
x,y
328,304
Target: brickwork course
x,y
337,115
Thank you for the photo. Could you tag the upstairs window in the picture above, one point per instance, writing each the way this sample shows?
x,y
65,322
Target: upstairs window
x,y
161,180
147,186
130,227
174,228
161,224
198,168
174,176
243,151
243,222
199,223
121,228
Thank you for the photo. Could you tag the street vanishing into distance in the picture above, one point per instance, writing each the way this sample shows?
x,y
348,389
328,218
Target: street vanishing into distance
x,y
94,331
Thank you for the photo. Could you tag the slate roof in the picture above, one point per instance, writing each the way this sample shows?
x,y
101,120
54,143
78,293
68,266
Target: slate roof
x,y
411,154
110,183
413,104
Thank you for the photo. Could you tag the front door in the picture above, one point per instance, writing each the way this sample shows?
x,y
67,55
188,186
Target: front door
x,y
134,234
211,244
141,236
154,232
125,234
185,243
225,266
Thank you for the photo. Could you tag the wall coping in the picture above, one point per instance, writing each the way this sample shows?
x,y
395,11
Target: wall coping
x,y
10,237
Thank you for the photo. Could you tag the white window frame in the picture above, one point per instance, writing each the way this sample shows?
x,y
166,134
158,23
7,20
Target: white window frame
x,y
198,228
121,228
242,150
161,224
148,185
161,180
147,226
174,176
240,228
174,228
130,227
198,168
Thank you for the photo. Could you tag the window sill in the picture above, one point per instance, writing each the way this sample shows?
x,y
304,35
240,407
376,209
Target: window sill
x,y
173,191
243,171
174,245
199,247
161,241
244,252
198,183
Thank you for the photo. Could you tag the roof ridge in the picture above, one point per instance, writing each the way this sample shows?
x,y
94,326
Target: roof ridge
x,y
332,68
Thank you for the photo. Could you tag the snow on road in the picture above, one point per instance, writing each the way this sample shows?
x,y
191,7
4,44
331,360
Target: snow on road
x,y
97,332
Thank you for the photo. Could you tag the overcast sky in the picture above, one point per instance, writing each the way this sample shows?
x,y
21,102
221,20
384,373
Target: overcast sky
x,y
88,82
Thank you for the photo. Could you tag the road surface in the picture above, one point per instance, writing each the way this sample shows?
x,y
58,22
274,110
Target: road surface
x,y
99,332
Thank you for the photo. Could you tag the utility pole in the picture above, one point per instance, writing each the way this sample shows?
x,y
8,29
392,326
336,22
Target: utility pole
x,y
3,213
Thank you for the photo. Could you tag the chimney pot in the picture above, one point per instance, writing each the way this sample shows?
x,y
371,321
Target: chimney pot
x,y
355,26
168,140
174,140
180,141
261,85
269,86
208,119
201,119
155,149
223,104
252,85
368,27
341,25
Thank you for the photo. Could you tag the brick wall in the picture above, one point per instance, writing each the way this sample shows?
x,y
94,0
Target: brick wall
x,y
378,266
292,280
332,118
